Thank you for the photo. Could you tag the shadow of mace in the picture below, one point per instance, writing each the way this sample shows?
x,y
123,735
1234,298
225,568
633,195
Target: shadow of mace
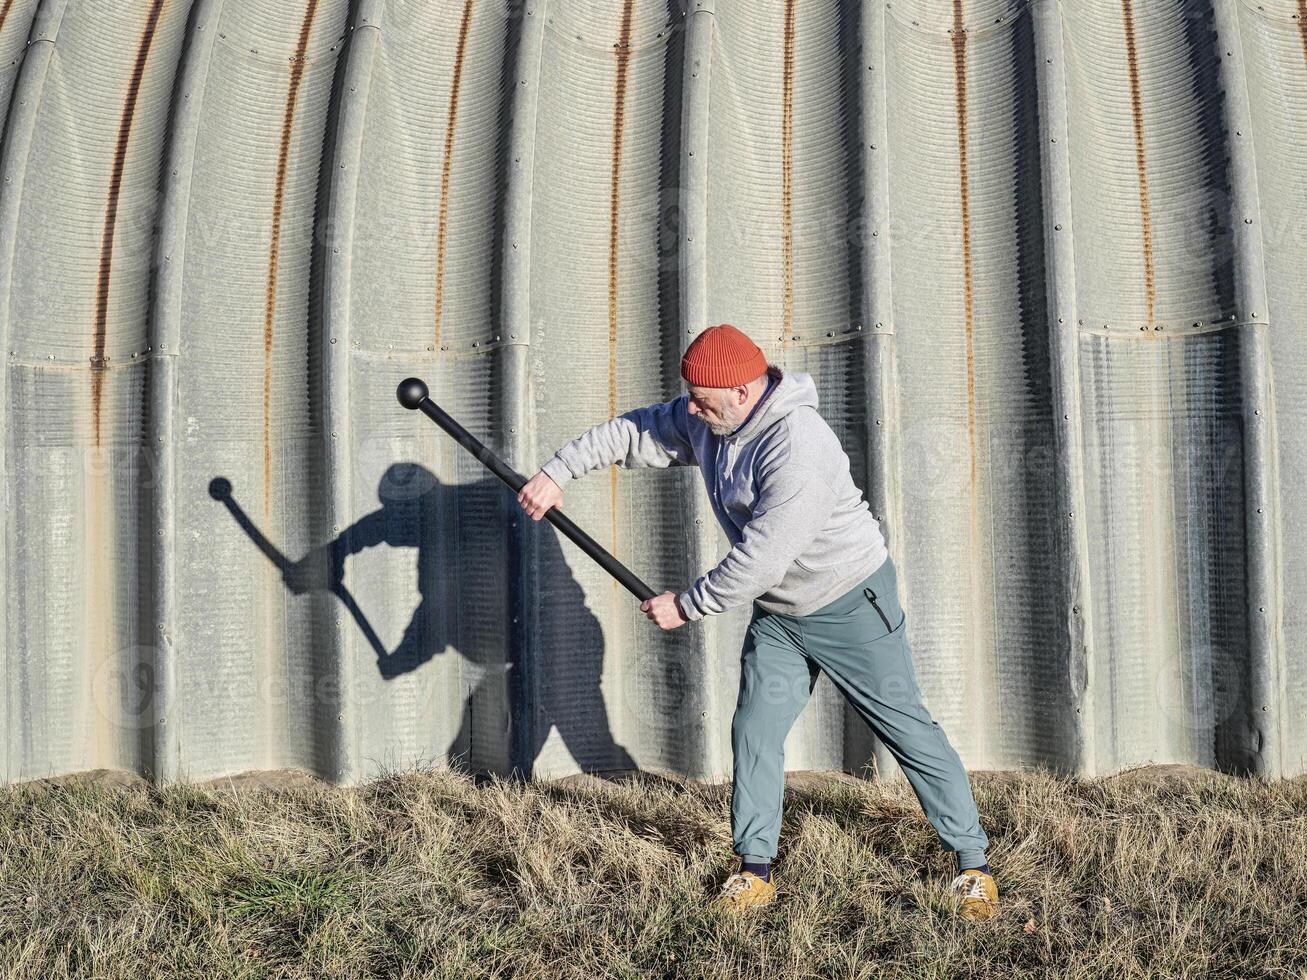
x,y
220,490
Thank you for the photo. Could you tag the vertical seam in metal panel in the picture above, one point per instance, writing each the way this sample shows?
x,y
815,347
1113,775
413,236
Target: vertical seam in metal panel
x,y
884,469
447,162
343,205
693,250
1261,471
15,157
123,143
165,343
1067,424
519,407
274,248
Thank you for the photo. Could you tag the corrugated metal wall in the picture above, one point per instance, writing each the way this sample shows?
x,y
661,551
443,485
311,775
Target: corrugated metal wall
x,y
1044,260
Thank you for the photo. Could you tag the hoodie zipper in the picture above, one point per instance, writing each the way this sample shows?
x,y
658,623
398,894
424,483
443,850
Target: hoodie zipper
x,y
871,597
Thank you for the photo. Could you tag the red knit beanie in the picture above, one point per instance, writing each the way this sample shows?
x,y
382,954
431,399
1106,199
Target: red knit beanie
x,y
722,357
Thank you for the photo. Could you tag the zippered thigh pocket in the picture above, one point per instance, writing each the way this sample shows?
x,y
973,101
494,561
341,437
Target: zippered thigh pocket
x,y
871,597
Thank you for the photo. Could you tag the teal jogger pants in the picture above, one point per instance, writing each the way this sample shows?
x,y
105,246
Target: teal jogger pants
x,y
860,642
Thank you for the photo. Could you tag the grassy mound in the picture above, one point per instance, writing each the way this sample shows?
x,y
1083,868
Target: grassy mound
x,y
1158,872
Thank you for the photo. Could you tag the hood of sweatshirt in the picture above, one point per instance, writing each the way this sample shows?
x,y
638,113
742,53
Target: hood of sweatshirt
x,y
791,390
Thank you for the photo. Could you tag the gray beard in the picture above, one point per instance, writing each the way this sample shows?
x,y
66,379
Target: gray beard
x,y
727,427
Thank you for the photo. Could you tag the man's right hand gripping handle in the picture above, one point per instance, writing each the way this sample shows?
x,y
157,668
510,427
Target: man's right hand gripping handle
x,y
538,494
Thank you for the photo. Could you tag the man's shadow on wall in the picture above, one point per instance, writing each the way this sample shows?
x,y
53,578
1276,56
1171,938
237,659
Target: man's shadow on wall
x,y
418,511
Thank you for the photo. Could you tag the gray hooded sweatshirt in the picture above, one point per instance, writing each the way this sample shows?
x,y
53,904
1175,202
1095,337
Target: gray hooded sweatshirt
x,y
801,535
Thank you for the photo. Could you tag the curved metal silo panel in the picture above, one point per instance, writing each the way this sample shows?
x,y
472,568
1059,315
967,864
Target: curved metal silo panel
x,y
604,339
1160,351
411,292
81,161
983,557
1268,49
15,24
247,144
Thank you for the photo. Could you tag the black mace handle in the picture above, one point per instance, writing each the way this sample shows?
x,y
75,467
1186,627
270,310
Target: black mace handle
x,y
414,394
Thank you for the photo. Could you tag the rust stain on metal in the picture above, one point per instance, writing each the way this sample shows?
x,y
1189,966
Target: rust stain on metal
x,y
964,193
1302,26
1145,211
787,173
451,122
274,250
4,13
105,276
614,213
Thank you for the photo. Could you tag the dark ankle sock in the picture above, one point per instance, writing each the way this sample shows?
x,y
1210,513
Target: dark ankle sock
x,y
982,867
763,871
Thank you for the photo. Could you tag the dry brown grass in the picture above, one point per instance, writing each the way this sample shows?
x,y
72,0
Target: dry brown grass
x,y
1157,873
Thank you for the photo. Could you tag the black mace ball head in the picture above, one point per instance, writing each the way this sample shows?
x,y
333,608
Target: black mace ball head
x,y
412,392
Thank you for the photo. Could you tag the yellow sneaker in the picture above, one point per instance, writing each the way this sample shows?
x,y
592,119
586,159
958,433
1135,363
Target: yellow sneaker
x,y
979,894
744,890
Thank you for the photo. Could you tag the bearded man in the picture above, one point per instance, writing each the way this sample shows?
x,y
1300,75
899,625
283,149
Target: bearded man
x,y
809,556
